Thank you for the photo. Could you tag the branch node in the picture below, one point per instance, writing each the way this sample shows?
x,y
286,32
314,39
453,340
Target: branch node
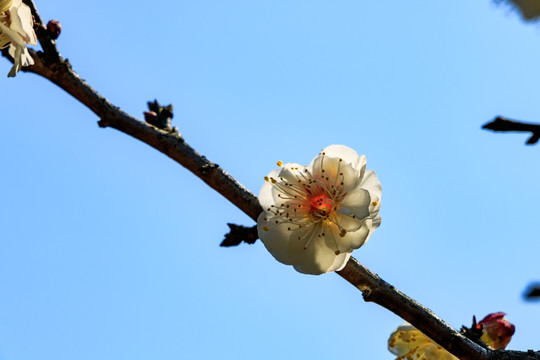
x,y
208,168
367,294
103,123
474,333
160,116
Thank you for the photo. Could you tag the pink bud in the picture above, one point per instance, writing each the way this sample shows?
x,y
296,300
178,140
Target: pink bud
x,y
496,330
54,28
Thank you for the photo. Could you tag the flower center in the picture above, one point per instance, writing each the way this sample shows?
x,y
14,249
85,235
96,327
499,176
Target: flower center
x,y
321,206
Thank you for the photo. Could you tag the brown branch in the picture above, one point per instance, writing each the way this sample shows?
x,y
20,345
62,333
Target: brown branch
x,y
500,124
374,289
529,9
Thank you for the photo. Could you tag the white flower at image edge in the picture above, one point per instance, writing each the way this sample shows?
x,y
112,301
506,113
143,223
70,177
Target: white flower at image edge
x,y
16,30
315,216
407,342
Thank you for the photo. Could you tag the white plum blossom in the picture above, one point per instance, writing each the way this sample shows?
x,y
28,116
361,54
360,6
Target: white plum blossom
x,y
315,216
407,342
16,31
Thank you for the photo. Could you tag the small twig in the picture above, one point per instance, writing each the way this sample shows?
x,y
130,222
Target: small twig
x,y
500,124
239,234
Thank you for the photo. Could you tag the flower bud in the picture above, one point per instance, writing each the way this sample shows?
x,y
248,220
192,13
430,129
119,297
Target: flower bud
x,y
496,330
54,28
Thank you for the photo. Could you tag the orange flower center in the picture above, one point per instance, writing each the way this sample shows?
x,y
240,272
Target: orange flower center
x,y
321,205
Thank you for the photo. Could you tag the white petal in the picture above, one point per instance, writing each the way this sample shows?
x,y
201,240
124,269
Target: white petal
x,y
340,262
275,186
316,257
341,151
348,222
375,222
267,195
334,173
358,202
275,237
348,155
371,183
23,23
13,35
355,239
293,172
26,58
16,61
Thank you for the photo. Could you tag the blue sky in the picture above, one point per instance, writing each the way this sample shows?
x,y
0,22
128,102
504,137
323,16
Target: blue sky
x,y
109,250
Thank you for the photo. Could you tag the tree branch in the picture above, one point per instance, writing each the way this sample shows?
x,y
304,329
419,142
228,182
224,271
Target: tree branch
x,y
50,65
376,290
500,124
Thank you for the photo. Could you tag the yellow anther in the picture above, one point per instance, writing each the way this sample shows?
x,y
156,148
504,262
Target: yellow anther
x,y
273,181
266,178
279,163
338,252
374,203
343,232
265,228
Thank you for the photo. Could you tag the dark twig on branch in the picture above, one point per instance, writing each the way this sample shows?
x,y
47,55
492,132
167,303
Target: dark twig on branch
x,y
500,124
532,292
160,116
51,66
239,234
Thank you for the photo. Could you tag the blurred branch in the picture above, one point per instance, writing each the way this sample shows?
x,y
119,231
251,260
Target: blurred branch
x,y
51,66
529,9
500,124
532,292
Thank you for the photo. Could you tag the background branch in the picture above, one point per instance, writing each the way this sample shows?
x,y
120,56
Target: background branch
x,y
500,124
